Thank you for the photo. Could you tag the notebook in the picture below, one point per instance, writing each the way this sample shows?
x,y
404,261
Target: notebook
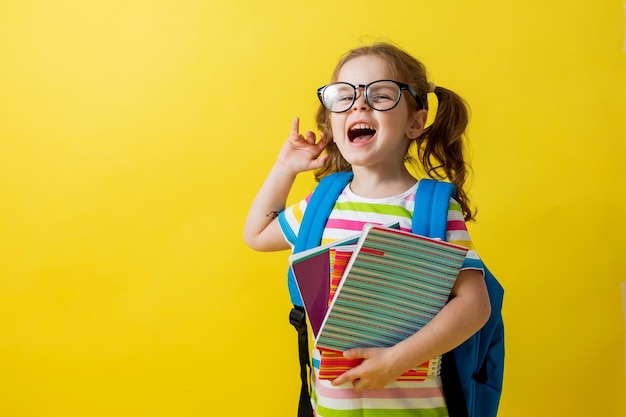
x,y
394,283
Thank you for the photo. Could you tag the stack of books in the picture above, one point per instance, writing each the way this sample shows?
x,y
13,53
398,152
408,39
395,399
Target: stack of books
x,y
374,290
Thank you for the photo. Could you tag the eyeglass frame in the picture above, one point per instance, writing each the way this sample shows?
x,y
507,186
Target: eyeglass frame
x,y
402,86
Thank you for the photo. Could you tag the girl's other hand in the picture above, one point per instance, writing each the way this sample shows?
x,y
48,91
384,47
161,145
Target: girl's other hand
x,y
375,372
302,152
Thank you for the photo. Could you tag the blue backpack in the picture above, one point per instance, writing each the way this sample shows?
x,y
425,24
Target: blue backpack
x,y
472,373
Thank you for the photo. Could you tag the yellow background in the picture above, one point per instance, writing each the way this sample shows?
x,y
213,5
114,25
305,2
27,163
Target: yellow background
x,y
134,134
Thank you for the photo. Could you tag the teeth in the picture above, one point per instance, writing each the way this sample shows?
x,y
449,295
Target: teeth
x,y
361,126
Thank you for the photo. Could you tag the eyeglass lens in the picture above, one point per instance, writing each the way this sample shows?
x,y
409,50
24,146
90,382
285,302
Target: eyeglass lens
x,y
379,95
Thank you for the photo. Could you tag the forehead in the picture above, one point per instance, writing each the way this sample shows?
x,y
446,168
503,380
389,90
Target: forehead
x,y
364,70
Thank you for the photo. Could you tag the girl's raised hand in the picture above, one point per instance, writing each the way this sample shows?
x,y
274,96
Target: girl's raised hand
x,y
302,152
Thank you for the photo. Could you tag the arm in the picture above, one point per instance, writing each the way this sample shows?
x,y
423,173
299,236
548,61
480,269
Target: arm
x,y
299,153
466,312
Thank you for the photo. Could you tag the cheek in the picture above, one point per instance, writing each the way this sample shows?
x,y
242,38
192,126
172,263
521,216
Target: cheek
x,y
337,124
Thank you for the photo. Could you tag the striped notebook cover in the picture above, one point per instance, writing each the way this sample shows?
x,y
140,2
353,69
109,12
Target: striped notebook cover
x,y
394,284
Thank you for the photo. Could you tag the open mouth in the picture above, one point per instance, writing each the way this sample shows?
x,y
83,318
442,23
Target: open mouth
x,y
360,132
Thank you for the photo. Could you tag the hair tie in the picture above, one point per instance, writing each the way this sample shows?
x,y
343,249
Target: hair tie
x,y
431,87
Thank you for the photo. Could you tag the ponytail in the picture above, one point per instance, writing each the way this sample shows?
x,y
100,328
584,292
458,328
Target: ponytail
x,y
440,147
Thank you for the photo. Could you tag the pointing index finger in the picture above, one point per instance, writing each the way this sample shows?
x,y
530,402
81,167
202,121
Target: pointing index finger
x,y
295,126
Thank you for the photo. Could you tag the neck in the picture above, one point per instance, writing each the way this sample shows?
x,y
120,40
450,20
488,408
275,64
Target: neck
x,y
382,183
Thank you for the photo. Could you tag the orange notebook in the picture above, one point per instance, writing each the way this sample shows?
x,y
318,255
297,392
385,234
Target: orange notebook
x,y
333,364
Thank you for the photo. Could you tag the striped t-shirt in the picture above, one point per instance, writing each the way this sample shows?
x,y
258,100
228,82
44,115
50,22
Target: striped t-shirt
x,y
401,398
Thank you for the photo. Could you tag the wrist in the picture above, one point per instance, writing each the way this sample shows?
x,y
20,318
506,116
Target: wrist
x,y
403,357
284,170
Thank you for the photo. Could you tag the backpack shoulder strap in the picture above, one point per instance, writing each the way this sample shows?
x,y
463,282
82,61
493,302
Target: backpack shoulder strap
x,y
318,209
430,215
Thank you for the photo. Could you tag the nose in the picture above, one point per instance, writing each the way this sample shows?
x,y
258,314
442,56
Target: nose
x,y
359,102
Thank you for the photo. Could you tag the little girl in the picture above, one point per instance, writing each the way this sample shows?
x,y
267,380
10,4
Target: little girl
x,y
372,112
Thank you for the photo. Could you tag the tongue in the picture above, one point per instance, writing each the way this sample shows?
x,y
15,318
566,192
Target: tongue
x,y
361,134
362,137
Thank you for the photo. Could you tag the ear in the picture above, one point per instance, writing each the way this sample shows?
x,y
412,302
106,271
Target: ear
x,y
417,123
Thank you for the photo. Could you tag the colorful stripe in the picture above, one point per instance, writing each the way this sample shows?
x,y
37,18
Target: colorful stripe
x,y
322,411
365,207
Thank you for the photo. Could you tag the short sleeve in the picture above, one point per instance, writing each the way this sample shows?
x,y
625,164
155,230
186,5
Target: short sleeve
x,y
290,220
457,233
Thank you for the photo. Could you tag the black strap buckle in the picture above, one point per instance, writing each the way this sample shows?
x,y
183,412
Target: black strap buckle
x,y
297,318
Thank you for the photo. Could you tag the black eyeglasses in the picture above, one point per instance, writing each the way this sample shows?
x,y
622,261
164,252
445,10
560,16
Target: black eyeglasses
x,y
381,95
